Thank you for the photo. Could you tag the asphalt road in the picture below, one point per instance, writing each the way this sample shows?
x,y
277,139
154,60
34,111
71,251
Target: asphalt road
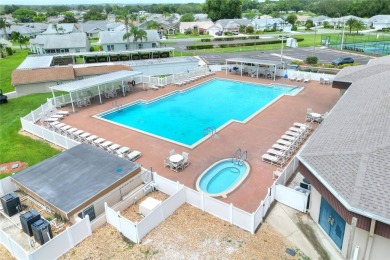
x,y
325,55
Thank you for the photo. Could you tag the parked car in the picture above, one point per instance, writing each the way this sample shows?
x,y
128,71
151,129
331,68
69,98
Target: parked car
x,y
218,33
235,33
341,61
3,98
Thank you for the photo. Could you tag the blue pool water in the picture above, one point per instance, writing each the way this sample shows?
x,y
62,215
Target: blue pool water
x,y
182,117
222,177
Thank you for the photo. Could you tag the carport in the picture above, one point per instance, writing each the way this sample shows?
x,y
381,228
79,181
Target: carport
x,y
256,63
98,84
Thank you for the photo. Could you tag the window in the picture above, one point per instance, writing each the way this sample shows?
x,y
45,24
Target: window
x,y
110,47
77,50
140,45
154,45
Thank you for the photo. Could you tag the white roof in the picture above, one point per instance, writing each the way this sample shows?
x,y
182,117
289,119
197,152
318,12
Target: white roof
x,y
95,81
32,62
111,37
255,61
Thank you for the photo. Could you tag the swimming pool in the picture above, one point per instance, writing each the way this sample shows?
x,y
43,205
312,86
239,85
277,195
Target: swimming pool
x,y
183,116
222,177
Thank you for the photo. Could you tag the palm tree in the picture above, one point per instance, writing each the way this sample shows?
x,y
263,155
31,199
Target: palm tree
x,y
138,34
125,17
3,26
2,55
23,40
359,25
351,23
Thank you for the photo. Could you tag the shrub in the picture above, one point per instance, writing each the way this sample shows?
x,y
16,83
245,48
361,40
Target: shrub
x,y
188,31
294,28
227,33
91,49
297,62
199,47
249,29
9,50
311,60
205,40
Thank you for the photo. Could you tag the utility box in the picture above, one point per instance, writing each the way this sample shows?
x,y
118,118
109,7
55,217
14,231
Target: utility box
x,y
11,204
27,219
291,42
42,231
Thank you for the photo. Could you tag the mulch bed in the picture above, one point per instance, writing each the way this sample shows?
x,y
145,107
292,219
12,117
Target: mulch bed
x,y
12,167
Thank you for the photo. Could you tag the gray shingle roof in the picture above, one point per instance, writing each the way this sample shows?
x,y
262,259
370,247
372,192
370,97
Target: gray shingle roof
x,y
58,41
91,26
117,37
61,28
350,151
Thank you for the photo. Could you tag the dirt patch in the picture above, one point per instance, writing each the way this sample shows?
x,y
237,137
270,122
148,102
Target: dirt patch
x,y
309,233
21,132
131,213
10,167
5,254
188,234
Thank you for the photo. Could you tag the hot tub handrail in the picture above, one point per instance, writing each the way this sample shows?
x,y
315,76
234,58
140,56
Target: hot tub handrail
x,y
236,156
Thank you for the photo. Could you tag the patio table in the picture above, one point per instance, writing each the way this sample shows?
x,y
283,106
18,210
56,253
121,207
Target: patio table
x,y
176,158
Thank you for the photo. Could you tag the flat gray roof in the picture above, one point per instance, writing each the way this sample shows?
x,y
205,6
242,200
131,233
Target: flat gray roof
x,y
350,151
96,81
70,178
255,61
32,62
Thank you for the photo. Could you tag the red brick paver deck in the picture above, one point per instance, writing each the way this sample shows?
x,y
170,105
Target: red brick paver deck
x,y
256,136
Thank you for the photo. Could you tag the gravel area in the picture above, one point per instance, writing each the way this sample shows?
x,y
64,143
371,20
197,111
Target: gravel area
x,y
5,254
131,213
187,234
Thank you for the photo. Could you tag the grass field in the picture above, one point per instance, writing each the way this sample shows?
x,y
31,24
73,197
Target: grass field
x,y
7,65
16,147
185,36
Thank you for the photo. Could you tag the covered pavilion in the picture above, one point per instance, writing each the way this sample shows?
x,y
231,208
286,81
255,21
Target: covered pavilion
x,y
98,85
269,71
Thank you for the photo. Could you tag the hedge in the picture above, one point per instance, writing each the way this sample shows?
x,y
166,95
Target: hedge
x,y
205,40
199,47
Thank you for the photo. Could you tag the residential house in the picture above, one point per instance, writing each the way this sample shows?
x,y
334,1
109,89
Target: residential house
x,y
27,30
60,43
113,41
346,161
232,25
197,26
214,29
273,23
340,21
302,19
62,28
201,18
379,22
92,28
319,20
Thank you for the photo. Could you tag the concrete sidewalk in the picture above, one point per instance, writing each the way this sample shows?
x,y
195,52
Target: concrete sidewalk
x,y
285,220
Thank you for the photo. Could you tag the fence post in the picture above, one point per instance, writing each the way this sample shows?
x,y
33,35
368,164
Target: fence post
x,y
177,185
137,233
162,211
202,201
253,223
88,223
231,213
69,237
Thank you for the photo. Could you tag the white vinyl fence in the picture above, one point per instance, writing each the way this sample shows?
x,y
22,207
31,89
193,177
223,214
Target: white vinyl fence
x,y
292,198
53,249
7,186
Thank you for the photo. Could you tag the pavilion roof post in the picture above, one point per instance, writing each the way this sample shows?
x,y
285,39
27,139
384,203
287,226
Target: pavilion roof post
x,y
123,88
100,95
275,73
71,101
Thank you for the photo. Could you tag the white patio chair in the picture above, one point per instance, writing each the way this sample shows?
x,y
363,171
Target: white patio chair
x,y
307,78
172,152
309,118
293,77
300,77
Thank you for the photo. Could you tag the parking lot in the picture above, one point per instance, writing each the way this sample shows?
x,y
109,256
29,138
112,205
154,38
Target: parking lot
x,y
324,54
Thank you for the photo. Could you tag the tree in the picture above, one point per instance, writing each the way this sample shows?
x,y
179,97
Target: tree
x,y
108,8
138,34
152,25
24,15
17,37
309,23
359,25
94,14
3,26
39,18
188,17
125,17
250,15
223,9
351,23
69,18
291,18
326,24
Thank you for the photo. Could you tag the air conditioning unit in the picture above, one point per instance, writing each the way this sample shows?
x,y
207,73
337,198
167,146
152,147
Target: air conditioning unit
x,y
11,204
42,231
27,219
305,184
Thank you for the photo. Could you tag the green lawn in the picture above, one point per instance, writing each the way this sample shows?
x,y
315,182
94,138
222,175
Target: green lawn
x,y
16,147
7,65
183,53
92,40
184,36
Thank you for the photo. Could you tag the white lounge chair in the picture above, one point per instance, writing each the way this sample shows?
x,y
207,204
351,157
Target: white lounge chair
x,y
288,138
293,77
134,155
307,78
273,159
151,86
300,77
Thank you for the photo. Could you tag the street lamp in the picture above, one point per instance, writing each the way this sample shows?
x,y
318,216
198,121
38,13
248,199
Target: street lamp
x,y
342,37
283,24
314,44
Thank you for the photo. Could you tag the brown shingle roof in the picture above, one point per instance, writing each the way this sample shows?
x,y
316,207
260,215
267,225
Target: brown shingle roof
x,y
98,70
20,77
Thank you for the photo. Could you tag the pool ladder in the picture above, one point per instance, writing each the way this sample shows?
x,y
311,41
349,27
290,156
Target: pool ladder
x,y
211,130
239,157
117,105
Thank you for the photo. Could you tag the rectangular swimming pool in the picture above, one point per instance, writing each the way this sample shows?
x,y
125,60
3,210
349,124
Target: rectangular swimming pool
x,y
183,116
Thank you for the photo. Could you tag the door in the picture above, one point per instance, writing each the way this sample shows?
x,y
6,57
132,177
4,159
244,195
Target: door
x,y
332,223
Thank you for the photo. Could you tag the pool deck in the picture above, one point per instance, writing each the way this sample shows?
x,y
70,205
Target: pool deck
x,y
256,136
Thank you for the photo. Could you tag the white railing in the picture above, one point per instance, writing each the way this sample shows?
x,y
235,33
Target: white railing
x,y
53,249
7,186
288,170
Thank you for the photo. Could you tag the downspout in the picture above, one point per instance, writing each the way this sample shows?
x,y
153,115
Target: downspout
x,y
351,237
370,240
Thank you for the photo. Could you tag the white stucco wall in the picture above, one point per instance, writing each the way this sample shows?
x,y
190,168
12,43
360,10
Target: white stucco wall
x,y
165,69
